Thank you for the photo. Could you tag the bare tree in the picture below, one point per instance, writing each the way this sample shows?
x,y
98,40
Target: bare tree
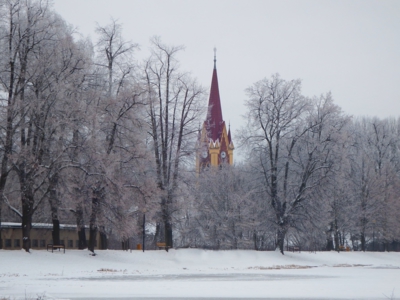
x,y
28,28
9,80
115,141
174,109
292,138
47,65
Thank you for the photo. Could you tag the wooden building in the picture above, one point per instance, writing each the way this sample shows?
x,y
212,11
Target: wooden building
x,y
41,236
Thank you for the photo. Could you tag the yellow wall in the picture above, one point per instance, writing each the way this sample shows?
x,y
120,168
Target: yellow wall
x,y
40,237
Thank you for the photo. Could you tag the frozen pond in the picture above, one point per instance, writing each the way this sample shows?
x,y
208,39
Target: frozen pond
x,y
196,274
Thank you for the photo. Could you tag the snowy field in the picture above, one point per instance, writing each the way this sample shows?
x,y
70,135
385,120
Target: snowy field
x,y
198,274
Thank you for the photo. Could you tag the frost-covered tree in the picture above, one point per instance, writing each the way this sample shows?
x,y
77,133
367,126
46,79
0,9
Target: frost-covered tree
x,y
175,106
39,61
373,153
292,138
115,160
223,214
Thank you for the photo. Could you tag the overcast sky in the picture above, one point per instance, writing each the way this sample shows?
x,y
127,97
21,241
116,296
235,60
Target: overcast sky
x,y
350,48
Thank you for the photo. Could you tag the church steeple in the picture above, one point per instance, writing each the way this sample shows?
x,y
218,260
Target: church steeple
x,y
215,146
214,117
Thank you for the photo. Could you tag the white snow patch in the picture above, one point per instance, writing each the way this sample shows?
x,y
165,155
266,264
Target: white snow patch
x,y
194,273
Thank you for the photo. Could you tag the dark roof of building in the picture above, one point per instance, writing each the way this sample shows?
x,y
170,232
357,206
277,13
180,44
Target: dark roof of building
x,y
38,225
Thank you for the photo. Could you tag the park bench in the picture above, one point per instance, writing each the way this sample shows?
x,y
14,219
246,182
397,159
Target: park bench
x,y
161,245
294,249
343,248
52,247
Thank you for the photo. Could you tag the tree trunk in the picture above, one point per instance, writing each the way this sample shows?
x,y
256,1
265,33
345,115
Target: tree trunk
x,y
363,242
329,243
157,234
27,199
282,230
26,225
329,240
92,223
167,223
336,237
168,235
1,228
27,211
255,241
103,240
56,232
82,244
53,201
92,236
125,244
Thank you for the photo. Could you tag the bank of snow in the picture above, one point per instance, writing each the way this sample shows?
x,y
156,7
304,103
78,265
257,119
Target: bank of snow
x,y
190,273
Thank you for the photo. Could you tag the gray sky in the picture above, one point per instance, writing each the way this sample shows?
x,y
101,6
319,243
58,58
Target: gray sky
x,y
351,48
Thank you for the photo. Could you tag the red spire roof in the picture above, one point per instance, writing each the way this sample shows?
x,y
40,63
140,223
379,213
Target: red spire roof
x,y
214,118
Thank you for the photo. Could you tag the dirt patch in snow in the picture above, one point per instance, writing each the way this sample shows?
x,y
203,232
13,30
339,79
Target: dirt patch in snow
x,y
282,267
350,266
106,270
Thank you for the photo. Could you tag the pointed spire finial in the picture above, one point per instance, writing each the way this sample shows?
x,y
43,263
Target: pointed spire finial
x,y
215,58
229,133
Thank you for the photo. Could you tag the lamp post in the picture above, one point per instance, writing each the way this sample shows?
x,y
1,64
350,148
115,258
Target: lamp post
x,y
373,235
144,229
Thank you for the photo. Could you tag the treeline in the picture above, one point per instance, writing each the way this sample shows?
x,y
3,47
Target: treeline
x,y
91,136
313,178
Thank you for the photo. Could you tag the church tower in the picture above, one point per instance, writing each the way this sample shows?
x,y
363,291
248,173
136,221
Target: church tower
x,y
215,143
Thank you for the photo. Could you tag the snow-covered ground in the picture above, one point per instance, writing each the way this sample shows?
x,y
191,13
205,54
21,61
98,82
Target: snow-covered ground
x,y
198,274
